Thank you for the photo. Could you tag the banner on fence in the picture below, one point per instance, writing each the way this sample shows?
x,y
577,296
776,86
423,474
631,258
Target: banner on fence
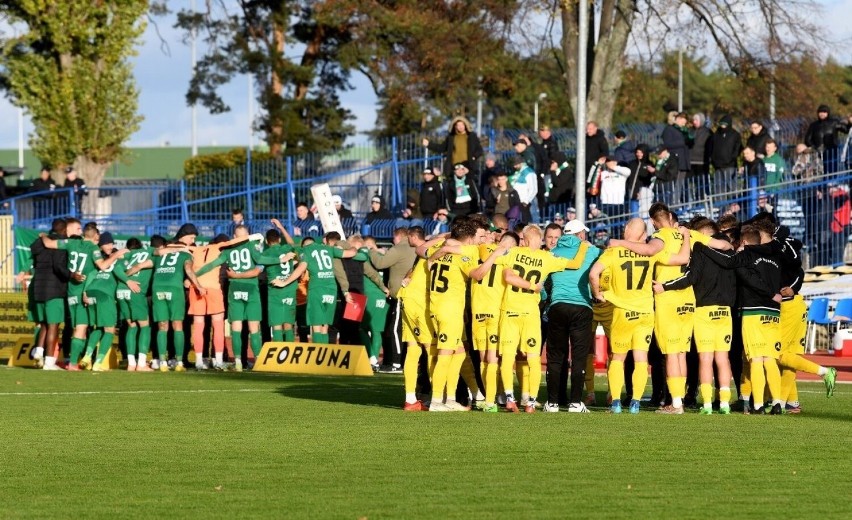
x,y
325,207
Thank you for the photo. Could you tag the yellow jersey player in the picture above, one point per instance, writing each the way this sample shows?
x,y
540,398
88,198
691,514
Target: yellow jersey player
x,y
448,277
674,316
630,292
417,327
525,269
715,295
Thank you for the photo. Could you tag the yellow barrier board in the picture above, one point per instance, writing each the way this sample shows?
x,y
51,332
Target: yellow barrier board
x,y
313,358
22,355
15,325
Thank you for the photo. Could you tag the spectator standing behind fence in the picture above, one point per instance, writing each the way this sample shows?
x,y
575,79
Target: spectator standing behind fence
x,y
624,148
726,144
502,197
431,193
461,192
639,184
822,135
561,179
237,219
305,223
342,212
757,139
776,168
699,158
491,169
524,181
613,186
79,186
378,211
806,163
841,215
666,171
676,139
46,187
461,145
544,152
753,167
596,144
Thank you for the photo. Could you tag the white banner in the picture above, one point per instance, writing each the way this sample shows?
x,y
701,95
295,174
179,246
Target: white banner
x,y
327,212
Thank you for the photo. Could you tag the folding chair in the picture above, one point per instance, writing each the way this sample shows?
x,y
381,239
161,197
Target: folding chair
x,y
817,315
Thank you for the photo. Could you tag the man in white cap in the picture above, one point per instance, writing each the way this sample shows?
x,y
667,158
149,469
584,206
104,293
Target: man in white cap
x,y
342,212
570,318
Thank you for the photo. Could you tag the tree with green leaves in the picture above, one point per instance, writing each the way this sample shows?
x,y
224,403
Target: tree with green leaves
x,y
292,49
68,67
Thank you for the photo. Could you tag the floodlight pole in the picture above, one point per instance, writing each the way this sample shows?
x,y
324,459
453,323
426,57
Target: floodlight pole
x,y
580,165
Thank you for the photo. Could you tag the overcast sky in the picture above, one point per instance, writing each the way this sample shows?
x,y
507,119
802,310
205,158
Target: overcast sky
x,y
163,79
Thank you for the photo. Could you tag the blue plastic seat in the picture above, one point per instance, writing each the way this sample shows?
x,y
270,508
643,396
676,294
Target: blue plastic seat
x,y
817,315
843,309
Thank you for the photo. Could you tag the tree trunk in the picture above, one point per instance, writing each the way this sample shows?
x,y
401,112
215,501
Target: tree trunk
x,y
606,59
277,128
93,174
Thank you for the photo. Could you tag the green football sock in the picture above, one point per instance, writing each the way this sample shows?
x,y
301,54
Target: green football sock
x,y
130,340
289,335
94,338
179,346
256,343
277,335
163,344
237,344
144,339
77,346
106,345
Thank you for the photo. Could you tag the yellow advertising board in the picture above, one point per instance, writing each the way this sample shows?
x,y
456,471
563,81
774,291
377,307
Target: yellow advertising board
x,y
15,324
313,358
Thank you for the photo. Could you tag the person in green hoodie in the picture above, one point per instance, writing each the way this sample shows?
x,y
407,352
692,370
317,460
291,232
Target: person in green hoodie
x,y
776,168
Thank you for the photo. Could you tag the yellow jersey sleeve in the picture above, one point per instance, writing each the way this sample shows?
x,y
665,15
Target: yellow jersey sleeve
x,y
695,236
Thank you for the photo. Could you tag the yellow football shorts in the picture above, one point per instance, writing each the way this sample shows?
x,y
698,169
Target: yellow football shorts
x,y
794,325
713,328
762,336
673,323
417,327
631,330
485,329
520,332
448,329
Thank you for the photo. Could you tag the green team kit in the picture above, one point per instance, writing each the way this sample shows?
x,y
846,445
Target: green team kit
x,y
108,295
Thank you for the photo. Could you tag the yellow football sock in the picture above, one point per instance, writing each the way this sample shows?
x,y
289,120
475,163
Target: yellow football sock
x,y
793,395
522,371
788,381
640,379
590,374
490,380
453,374
798,363
615,373
724,395
534,379
706,391
469,375
439,377
758,382
432,356
676,386
773,379
482,367
507,366
409,369
745,381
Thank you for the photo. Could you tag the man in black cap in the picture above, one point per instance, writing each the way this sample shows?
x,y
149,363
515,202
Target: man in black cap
x,y
822,136
725,145
45,186
79,186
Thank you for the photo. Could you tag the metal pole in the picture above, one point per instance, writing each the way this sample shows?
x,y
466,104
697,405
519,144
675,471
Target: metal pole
x,y
535,116
194,137
580,165
680,80
479,113
250,111
20,137
773,123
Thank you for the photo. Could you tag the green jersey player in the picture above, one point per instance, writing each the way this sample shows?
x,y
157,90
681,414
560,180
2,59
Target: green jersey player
x,y
132,296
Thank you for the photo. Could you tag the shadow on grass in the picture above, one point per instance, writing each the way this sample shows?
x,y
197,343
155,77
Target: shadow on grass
x,y
385,391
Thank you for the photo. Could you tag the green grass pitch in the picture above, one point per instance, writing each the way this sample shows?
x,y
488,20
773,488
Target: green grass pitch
x,y
226,445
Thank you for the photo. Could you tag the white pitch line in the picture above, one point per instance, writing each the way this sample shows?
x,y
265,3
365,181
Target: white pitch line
x,y
132,392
